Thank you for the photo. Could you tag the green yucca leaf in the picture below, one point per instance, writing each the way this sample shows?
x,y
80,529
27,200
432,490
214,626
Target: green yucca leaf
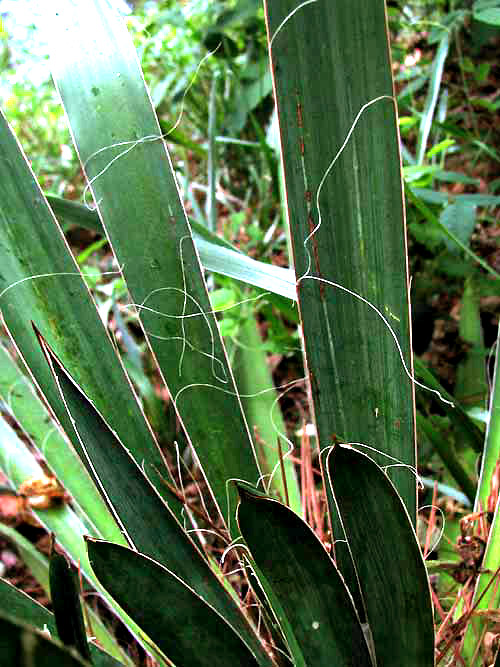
x,y
389,564
95,68
148,524
21,645
188,630
303,577
66,605
28,410
32,244
337,118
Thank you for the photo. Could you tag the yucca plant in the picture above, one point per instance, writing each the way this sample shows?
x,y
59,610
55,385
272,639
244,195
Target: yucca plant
x,y
341,165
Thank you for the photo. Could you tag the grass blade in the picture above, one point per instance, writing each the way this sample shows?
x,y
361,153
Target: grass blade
x,y
486,596
471,387
432,95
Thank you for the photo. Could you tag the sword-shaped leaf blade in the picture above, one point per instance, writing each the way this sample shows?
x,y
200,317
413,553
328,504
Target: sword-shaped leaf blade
x,y
119,142
188,630
391,571
312,593
146,520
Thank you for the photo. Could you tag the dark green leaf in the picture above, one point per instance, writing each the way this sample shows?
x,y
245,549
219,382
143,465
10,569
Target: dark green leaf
x,y
390,567
66,605
184,627
23,609
340,549
306,582
147,522
332,74
20,645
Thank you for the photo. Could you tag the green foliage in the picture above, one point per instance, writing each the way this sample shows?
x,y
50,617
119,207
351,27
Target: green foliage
x,y
134,508
148,511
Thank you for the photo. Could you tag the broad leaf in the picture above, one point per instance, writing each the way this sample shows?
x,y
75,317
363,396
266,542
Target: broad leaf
x,y
387,557
184,627
311,591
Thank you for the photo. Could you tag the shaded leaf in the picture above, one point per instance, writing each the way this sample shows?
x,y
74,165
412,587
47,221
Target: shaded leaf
x,y
460,219
305,580
66,605
147,522
184,627
21,645
387,557
23,609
